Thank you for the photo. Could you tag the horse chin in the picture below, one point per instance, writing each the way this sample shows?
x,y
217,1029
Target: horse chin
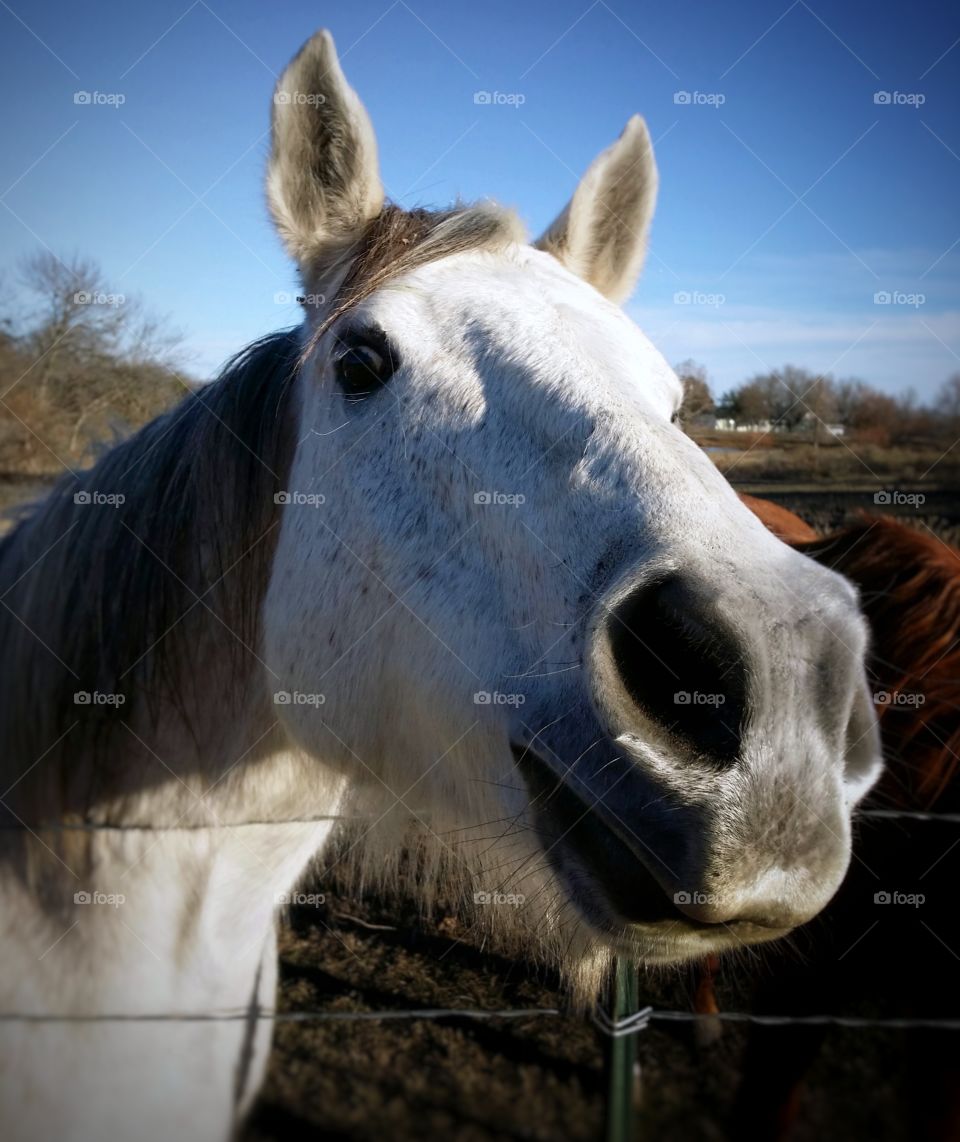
x,y
611,889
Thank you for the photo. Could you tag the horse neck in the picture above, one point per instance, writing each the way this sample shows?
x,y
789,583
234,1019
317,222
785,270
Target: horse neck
x,y
182,827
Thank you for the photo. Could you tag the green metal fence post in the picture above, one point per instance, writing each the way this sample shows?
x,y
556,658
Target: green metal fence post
x,y
621,1120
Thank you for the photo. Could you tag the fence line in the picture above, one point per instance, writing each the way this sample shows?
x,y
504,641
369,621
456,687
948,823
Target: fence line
x,y
614,1028
94,826
910,815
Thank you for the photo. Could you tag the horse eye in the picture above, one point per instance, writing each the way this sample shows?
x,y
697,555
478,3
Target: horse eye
x,y
363,368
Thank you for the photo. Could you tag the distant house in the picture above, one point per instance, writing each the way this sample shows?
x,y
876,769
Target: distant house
x,y
729,424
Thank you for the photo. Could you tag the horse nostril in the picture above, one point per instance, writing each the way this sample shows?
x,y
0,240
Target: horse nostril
x,y
681,666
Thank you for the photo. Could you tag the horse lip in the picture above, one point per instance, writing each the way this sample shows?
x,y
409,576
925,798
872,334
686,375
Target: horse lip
x,y
569,825
597,810
614,907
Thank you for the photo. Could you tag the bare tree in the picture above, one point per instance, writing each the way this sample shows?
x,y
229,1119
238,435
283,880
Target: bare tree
x,y
83,363
946,403
697,397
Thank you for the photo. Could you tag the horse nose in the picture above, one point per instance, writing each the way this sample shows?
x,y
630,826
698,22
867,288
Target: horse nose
x,y
681,665
765,909
776,897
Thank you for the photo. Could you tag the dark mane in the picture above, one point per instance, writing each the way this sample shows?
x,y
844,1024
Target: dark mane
x,y
98,596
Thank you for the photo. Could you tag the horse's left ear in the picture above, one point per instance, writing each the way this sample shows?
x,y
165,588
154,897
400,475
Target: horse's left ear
x,y
323,181
602,234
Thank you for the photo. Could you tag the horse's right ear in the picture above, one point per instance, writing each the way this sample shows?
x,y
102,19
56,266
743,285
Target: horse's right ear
x,y
602,234
323,181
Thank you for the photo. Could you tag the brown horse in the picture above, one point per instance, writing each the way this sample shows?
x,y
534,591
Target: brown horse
x,y
887,932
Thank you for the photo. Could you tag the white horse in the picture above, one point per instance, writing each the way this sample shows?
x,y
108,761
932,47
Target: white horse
x,y
437,559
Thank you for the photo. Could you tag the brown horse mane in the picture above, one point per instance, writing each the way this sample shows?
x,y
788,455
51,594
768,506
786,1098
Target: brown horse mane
x,y
909,584
910,592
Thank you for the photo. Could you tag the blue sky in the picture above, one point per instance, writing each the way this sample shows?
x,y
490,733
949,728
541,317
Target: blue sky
x,y
789,196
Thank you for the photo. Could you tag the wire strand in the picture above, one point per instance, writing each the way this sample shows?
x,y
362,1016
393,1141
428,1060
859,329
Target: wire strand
x,y
632,1024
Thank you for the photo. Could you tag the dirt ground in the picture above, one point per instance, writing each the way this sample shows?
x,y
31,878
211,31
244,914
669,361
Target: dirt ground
x,y
540,1078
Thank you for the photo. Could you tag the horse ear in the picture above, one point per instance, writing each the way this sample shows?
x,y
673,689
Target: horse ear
x,y
602,234
323,180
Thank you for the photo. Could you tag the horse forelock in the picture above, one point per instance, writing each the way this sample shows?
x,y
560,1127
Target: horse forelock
x,y
400,240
